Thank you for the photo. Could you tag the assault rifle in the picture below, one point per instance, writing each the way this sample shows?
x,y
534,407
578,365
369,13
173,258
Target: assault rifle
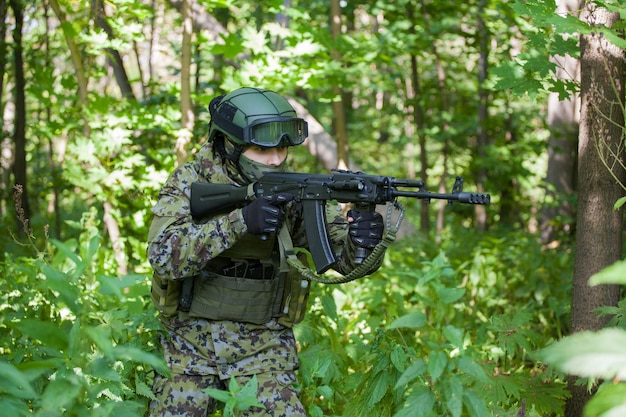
x,y
313,190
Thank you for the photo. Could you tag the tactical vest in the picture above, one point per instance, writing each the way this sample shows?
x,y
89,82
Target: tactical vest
x,y
243,284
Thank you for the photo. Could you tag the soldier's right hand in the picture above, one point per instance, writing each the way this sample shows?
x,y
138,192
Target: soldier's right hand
x,y
266,214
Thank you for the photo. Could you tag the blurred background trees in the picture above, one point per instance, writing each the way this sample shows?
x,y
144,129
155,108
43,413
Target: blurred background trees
x,y
101,100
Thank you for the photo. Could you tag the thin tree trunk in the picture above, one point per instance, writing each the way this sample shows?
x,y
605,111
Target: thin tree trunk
x,y
186,106
441,82
4,184
418,118
54,207
598,226
563,117
339,112
81,77
19,134
113,56
483,105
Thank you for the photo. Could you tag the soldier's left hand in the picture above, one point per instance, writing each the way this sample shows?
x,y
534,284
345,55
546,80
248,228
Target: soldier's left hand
x,y
366,228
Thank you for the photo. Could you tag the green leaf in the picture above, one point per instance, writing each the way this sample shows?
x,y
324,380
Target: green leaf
x,y
61,392
471,368
115,285
454,396
330,307
144,390
101,336
101,368
46,332
619,203
250,389
325,391
589,354
62,283
437,361
218,394
14,407
610,400
380,386
415,370
398,358
67,251
450,295
474,404
15,382
130,353
411,321
419,403
247,397
454,335
613,274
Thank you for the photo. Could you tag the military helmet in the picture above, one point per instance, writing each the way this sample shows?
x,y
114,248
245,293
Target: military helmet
x,y
253,116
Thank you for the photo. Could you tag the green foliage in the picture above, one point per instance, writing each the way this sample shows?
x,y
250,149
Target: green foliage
x,y
443,328
597,355
75,340
423,338
237,399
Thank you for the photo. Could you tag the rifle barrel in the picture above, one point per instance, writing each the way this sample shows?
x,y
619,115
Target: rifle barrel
x,y
461,197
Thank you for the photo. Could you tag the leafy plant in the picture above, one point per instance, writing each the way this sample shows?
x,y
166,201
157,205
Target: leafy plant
x,y
237,398
597,355
408,341
75,340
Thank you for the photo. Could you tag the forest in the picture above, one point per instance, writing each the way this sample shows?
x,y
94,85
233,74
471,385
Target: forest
x,y
509,309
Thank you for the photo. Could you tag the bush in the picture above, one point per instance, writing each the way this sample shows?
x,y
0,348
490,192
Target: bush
x,y
76,340
424,338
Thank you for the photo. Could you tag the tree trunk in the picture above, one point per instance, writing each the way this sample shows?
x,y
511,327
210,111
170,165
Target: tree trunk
x,y
5,181
113,57
598,226
563,118
339,112
186,106
19,134
81,76
418,118
482,139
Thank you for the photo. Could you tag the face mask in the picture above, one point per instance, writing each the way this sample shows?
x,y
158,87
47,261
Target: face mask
x,y
254,170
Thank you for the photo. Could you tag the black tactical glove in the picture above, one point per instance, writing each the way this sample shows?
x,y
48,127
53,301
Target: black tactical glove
x,y
265,214
366,229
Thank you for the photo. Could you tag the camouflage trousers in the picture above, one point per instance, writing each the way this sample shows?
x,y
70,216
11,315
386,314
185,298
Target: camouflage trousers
x,y
183,395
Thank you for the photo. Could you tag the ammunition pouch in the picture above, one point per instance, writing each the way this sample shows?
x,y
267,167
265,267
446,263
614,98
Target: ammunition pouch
x,y
165,294
242,291
295,296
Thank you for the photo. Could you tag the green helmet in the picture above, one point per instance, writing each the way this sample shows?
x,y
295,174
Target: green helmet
x,y
253,116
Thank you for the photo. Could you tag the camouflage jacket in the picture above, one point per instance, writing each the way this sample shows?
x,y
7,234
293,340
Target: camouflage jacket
x,y
180,247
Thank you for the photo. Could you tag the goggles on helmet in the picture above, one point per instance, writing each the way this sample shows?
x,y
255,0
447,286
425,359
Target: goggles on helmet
x,y
276,131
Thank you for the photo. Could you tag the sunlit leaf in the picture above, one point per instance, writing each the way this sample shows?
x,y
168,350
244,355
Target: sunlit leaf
x,y
411,321
609,401
589,354
613,274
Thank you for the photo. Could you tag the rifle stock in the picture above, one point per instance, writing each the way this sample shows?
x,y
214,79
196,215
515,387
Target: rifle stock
x,y
210,199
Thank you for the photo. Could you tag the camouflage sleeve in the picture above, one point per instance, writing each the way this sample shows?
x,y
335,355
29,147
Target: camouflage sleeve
x,y
178,245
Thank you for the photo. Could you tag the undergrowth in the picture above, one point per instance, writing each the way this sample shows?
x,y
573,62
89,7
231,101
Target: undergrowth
x,y
438,330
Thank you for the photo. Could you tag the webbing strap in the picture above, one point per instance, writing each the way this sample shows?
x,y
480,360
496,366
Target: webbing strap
x,y
288,253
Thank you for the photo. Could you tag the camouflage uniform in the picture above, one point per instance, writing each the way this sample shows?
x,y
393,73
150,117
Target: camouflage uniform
x,y
205,353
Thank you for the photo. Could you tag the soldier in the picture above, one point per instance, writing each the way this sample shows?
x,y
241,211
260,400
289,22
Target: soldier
x,y
226,300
